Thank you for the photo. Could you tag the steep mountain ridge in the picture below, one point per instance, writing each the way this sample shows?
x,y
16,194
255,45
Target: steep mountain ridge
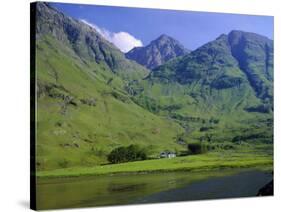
x,y
210,82
86,42
230,60
157,52
83,109
254,54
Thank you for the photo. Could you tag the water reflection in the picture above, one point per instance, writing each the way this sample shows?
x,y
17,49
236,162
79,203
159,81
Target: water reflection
x,y
116,189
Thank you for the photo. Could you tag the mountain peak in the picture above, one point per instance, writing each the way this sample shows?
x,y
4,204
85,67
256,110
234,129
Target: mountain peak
x,y
222,36
84,41
157,52
226,62
165,37
238,34
235,31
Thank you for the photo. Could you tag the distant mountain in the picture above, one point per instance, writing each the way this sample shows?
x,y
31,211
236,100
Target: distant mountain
x,y
157,52
229,61
229,78
254,54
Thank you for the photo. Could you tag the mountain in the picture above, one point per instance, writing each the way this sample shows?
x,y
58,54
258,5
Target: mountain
x,y
254,54
157,52
91,98
228,62
83,108
85,41
228,79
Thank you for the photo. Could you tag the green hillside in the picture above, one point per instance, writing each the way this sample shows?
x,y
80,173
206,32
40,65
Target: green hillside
x,y
214,91
91,99
83,110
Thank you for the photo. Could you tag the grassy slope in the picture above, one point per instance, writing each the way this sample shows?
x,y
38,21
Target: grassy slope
x,y
244,158
226,105
84,111
203,85
82,135
113,122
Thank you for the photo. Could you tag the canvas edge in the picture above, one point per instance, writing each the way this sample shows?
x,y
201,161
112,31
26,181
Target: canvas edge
x,y
33,205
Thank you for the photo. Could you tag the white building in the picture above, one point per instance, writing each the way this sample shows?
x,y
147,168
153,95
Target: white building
x,y
167,154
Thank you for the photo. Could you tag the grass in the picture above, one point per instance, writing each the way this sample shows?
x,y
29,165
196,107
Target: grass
x,y
84,135
207,162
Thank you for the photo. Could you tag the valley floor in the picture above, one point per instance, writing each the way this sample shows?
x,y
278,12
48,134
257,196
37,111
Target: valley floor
x,y
210,161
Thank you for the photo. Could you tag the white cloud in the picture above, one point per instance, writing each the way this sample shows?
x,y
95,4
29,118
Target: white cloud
x,y
122,40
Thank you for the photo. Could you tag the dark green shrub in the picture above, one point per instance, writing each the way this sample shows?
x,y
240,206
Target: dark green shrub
x,y
126,154
197,148
202,129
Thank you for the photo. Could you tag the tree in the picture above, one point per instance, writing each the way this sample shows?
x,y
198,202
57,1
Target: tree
x,y
197,148
126,154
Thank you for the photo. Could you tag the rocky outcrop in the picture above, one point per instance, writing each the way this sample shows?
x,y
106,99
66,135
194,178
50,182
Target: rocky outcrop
x,y
158,52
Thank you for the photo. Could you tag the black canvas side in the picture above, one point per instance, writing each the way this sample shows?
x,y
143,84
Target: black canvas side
x,y
32,105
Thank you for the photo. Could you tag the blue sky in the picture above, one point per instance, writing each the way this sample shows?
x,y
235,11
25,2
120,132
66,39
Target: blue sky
x,y
140,26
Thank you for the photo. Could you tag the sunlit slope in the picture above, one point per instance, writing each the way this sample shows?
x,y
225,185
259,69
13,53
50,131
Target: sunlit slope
x,y
83,109
81,118
228,80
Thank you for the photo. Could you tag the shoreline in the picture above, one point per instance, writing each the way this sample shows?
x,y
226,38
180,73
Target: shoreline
x,y
262,166
208,189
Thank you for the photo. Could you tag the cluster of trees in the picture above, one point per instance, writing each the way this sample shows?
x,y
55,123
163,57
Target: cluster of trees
x,y
194,149
125,154
197,148
200,148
